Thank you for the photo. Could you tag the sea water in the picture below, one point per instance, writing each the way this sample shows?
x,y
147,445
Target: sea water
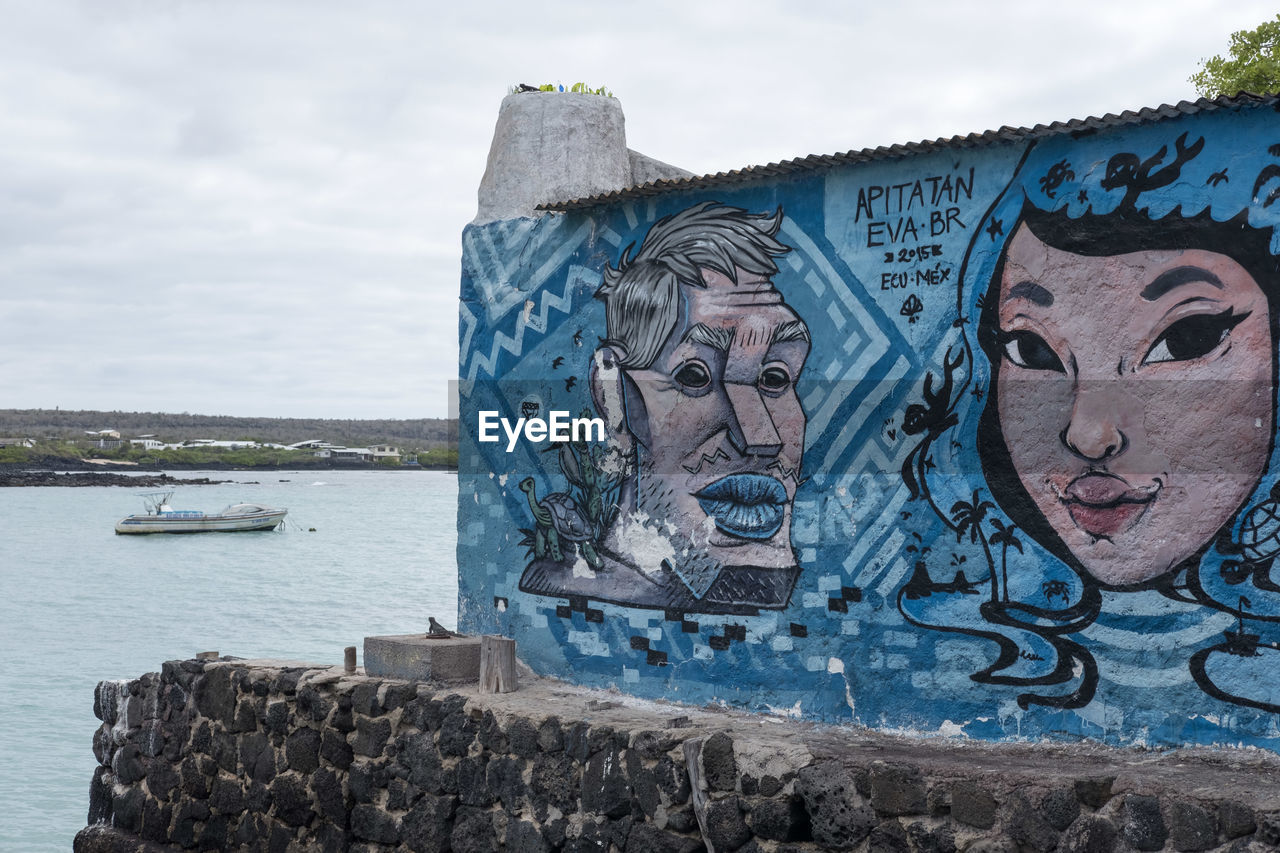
x,y
363,553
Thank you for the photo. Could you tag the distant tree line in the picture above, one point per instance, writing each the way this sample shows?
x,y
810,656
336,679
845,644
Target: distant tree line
x,y
410,434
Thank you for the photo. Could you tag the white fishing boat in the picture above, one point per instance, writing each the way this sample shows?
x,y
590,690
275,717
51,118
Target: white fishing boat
x,y
160,517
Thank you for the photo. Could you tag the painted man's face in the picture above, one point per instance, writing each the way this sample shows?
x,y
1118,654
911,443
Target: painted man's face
x,y
1134,398
720,428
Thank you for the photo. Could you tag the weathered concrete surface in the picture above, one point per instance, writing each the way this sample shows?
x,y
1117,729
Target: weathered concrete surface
x,y
419,657
267,755
645,170
554,146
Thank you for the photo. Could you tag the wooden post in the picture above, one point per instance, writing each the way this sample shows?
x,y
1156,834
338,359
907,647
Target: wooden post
x,y
349,659
498,664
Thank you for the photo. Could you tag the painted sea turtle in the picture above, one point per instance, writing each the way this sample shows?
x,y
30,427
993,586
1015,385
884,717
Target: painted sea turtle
x,y
1260,529
558,517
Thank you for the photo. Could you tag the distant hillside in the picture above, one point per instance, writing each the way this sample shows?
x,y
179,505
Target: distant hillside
x,y
420,434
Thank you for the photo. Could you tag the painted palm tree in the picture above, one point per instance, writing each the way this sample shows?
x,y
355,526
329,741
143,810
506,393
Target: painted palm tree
x,y
1005,539
968,517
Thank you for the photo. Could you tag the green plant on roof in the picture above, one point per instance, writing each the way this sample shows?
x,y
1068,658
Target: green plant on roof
x,y
576,88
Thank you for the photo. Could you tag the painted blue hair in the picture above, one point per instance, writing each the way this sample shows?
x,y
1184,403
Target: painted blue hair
x,y
1185,183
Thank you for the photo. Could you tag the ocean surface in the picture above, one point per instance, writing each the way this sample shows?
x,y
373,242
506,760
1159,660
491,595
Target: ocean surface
x,y
79,604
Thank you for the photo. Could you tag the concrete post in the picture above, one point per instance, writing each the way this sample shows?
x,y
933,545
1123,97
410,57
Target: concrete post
x,y
556,146
552,146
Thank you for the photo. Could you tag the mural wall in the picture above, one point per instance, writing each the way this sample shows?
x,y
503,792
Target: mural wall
x,y
978,441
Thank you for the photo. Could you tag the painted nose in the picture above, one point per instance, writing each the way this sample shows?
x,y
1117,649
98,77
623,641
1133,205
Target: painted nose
x,y
751,430
1094,432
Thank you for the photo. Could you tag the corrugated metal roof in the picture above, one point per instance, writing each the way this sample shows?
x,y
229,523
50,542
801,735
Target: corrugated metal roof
x,y
818,162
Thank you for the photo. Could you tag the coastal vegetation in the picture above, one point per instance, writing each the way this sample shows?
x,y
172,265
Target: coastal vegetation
x,y
440,457
408,434
75,456
56,439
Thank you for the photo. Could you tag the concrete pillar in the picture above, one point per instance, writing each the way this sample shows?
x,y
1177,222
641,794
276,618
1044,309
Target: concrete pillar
x,y
556,146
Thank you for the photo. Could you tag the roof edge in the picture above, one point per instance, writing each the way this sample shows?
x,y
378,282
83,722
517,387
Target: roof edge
x,y
820,162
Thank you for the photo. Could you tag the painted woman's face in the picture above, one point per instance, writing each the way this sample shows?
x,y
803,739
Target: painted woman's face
x,y
1134,397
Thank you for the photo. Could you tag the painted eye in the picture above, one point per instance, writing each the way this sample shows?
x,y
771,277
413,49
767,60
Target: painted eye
x,y
693,375
1193,337
1030,352
775,378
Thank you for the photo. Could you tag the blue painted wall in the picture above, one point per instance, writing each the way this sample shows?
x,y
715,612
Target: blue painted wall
x,y
941,561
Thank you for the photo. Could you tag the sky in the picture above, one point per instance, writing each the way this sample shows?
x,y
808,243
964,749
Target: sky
x,y
256,208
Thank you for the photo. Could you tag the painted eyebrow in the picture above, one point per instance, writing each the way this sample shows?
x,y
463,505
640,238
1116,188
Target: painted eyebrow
x,y
792,330
1176,277
718,339
1034,293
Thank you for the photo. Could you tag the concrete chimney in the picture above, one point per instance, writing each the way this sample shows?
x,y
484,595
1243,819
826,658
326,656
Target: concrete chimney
x,y
556,146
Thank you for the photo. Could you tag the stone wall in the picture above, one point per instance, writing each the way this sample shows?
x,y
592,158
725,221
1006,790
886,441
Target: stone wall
x,y
273,756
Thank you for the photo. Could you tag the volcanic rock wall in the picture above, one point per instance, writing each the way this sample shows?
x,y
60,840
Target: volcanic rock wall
x,y
271,756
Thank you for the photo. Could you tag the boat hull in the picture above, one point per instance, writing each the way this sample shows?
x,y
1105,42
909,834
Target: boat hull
x,y
190,523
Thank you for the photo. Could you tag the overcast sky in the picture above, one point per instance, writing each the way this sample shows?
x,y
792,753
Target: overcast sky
x,y
255,208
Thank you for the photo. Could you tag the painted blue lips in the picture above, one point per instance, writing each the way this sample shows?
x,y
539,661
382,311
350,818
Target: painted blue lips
x,y
749,506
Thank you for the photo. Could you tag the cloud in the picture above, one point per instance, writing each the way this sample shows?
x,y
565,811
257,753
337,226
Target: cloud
x,y
256,207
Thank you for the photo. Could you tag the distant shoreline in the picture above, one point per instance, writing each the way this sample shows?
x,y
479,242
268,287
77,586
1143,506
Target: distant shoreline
x,y
64,472
104,478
